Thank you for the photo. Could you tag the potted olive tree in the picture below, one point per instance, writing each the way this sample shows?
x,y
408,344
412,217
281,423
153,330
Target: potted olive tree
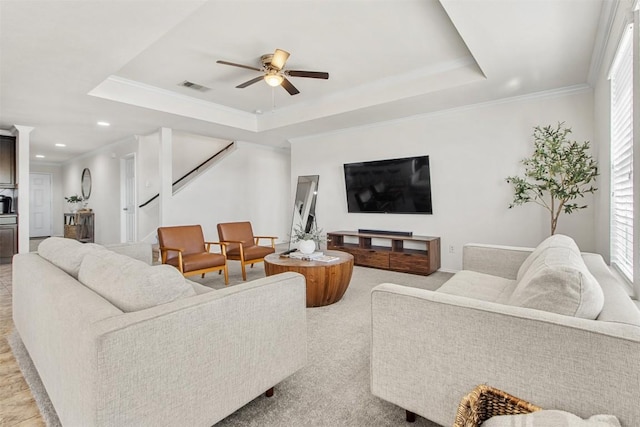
x,y
559,172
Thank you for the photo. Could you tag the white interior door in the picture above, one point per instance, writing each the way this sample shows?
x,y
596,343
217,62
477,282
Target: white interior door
x,y
129,211
39,205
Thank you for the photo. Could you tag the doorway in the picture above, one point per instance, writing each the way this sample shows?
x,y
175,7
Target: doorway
x,y
129,210
40,205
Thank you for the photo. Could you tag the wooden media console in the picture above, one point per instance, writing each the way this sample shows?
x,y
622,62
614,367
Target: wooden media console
x,y
389,251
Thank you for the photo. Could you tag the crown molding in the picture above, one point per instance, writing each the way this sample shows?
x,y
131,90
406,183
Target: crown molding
x,y
605,26
545,94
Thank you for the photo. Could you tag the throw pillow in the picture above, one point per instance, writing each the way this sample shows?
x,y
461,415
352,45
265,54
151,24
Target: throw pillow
x,y
130,284
558,281
554,241
551,418
66,254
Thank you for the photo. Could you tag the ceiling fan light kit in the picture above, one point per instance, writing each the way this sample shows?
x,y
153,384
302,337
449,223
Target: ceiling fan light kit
x,y
273,79
274,72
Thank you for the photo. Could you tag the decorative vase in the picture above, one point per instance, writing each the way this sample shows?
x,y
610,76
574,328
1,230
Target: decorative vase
x,y
307,246
73,207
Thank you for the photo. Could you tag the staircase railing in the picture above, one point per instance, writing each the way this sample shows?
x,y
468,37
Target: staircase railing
x,y
191,172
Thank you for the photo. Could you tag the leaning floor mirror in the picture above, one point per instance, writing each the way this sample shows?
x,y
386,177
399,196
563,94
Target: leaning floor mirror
x,y
304,206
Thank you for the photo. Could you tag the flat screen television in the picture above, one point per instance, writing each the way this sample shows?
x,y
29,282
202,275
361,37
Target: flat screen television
x,y
389,186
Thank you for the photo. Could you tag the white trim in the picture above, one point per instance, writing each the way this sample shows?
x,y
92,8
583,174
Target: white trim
x,y
605,25
139,94
625,37
99,150
545,94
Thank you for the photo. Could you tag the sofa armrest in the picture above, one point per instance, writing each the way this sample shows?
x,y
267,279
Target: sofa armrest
x,y
430,349
217,351
139,250
503,261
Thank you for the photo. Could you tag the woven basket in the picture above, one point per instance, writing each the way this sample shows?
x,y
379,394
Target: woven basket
x,y
484,402
71,231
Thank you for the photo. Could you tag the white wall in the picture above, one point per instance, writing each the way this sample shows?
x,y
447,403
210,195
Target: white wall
x,y
471,151
252,183
188,151
104,165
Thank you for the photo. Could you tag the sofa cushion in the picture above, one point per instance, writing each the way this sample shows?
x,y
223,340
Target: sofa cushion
x,y
618,305
554,241
130,284
66,254
558,281
551,418
472,284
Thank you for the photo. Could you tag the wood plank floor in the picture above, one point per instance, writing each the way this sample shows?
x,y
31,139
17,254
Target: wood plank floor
x,y
17,406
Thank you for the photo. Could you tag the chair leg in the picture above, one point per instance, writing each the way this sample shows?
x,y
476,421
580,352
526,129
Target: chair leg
x,y
244,271
269,392
411,417
203,275
226,275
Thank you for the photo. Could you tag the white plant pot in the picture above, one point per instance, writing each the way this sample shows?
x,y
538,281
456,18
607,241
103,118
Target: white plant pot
x,y
307,246
73,207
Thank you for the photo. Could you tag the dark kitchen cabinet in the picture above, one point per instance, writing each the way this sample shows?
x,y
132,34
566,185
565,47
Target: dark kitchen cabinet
x,y
7,161
8,238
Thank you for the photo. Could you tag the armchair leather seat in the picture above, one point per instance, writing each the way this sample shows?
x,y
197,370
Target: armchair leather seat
x,y
199,261
251,252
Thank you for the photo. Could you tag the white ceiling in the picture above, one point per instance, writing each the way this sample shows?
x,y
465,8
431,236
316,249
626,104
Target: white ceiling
x,y
64,65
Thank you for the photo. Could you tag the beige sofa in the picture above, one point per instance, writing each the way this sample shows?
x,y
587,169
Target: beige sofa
x,y
118,342
551,326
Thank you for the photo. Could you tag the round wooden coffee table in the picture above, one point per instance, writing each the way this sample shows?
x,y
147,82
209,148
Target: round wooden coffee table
x,y
326,281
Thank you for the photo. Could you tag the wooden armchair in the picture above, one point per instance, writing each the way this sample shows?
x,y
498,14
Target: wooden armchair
x,y
242,245
184,247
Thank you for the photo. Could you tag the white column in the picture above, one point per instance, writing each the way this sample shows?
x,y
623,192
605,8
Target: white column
x,y
22,181
166,175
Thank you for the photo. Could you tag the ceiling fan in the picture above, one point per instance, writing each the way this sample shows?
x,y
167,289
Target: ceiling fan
x,y
275,74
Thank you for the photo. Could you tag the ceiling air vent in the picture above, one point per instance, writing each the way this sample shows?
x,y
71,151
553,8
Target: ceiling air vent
x,y
194,86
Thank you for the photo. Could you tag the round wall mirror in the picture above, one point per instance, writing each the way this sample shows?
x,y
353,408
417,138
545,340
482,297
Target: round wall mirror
x,y
86,183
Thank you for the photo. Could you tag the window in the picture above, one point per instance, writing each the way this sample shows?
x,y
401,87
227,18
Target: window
x,y
622,221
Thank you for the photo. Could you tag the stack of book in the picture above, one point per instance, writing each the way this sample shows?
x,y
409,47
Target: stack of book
x,y
315,256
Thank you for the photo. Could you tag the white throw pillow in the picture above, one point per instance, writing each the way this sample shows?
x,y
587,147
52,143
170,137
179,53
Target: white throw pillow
x,y
558,281
551,418
554,241
130,284
66,254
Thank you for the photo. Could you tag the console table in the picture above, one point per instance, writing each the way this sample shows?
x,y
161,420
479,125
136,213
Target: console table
x,y
408,254
79,226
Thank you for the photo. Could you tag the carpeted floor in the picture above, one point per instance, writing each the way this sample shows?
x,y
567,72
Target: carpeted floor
x,y
333,389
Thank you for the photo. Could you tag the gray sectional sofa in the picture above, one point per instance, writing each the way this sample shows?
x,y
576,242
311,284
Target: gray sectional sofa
x,y
118,342
550,325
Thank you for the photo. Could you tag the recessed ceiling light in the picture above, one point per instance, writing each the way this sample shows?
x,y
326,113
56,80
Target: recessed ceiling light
x,y
61,145
104,124
40,156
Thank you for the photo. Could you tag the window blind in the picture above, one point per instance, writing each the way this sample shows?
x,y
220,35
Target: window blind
x,y
622,156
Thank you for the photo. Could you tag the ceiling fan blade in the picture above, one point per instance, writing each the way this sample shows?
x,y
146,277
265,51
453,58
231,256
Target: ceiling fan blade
x,y
286,84
250,82
239,65
310,74
279,59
